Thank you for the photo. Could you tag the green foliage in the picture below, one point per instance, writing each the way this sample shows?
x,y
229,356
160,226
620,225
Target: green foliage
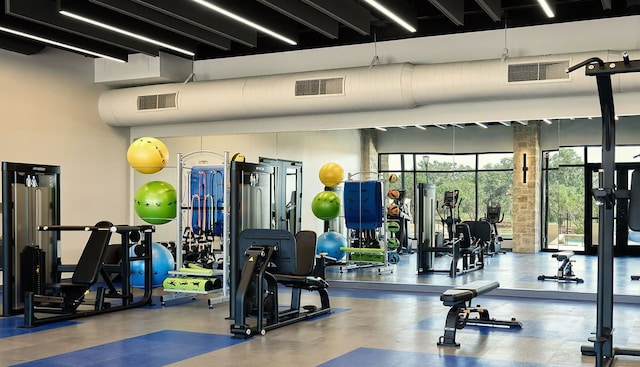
x,y
566,191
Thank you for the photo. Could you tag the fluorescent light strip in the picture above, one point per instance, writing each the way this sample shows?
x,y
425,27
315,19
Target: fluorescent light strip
x,y
126,33
245,21
420,127
381,128
547,121
505,123
547,9
482,125
391,15
56,43
443,127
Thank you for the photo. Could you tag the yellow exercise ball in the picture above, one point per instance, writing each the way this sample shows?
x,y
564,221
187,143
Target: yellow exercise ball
x,y
238,157
331,174
147,155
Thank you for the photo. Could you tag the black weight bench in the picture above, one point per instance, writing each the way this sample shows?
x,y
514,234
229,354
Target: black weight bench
x,y
565,269
459,299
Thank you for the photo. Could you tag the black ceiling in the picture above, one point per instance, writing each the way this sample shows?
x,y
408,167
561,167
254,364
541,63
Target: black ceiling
x,y
311,23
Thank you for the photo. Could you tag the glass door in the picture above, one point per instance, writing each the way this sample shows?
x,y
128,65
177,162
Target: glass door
x,y
563,201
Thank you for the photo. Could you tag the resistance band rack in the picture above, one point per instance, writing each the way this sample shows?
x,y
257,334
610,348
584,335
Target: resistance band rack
x,y
362,256
196,194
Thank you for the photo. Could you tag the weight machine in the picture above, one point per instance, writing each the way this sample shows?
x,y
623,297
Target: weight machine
x,y
606,196
459,243
65,299
31,196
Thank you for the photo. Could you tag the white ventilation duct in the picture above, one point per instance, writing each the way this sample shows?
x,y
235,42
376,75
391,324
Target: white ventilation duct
x,y
383,87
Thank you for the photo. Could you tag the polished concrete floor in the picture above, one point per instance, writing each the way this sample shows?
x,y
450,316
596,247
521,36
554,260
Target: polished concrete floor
x,y
378,319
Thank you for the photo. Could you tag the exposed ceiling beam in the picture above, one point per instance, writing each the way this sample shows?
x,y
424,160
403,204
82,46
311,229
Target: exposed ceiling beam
x,y
549,7
493,8
71,39
346,12
20,45
452,9
45,13
255,16
306,15
403,12
193,13
165,21
116,23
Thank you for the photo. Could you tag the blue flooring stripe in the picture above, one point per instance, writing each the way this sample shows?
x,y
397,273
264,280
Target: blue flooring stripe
x,y
150,350
391,358
10,326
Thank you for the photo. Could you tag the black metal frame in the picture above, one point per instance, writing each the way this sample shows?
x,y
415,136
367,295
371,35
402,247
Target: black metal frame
x,y
606,196
257,290
565,269
125,294
472,257
459,299
17,173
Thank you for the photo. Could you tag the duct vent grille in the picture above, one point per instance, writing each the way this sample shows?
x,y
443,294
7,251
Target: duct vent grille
x,y
317,87
157,101
538,71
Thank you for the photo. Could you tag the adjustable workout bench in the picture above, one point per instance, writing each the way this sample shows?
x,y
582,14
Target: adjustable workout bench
x,y
459,299
63,299
565,271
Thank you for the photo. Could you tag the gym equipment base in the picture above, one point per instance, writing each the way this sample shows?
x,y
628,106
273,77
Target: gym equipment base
x,y
459,299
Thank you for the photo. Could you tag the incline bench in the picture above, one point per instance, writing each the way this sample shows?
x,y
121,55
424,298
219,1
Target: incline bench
x,y
459,299
565,269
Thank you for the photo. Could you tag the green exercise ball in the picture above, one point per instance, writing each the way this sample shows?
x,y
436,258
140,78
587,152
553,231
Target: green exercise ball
x,y
156,202
393,243
326,205
393,226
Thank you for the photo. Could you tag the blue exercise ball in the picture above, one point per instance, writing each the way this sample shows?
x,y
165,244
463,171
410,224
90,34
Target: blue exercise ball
x,y
634,236
162,263
329,243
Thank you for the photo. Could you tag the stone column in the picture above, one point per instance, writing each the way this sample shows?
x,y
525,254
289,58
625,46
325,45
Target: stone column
x,y
526,195
369,158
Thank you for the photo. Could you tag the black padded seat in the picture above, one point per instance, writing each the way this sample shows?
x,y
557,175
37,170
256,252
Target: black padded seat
x,y
305,261
564,255
88,267
467,292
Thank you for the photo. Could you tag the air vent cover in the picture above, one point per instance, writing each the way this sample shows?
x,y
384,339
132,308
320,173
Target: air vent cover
x,y
316,87
157,101
538,71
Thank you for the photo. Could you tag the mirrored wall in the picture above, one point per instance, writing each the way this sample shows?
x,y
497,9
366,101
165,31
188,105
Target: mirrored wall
x,y
478,161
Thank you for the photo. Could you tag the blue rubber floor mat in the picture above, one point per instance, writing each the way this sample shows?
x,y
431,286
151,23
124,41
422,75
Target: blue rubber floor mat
x,y
156,349
10,326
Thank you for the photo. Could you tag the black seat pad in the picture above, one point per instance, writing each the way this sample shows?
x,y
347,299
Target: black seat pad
x,y
467,292
301,281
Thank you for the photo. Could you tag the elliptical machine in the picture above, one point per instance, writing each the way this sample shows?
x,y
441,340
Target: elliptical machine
x,y
494,216
450,204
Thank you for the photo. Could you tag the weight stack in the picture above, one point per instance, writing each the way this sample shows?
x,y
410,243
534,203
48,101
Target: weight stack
x,y
32,271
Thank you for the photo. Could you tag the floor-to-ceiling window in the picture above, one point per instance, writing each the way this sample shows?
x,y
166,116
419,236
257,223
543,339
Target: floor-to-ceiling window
x,y
482,180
